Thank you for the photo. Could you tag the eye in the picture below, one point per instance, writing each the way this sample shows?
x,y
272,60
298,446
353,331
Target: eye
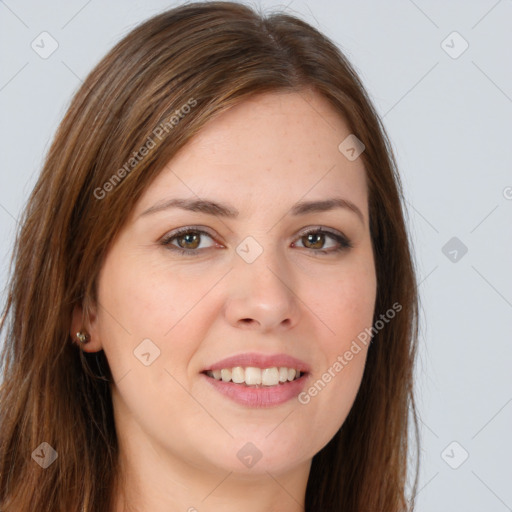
x,y
314,239
188,240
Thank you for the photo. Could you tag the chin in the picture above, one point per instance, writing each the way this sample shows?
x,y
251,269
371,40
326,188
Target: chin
x,y
259,455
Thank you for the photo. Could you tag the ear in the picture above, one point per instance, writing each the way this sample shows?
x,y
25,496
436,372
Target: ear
x,y
80,321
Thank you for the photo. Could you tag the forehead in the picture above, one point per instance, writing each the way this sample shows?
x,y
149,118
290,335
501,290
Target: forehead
x,y
275,146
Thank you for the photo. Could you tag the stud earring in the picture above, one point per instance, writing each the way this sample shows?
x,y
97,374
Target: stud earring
x,y
82,337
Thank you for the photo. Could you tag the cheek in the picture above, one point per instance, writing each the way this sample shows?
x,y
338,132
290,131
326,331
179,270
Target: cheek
x,y
145,301
346,307
353,311
146,298
344,352
345,304
348,311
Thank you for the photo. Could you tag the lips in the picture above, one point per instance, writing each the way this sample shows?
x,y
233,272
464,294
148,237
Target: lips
x,y
260,361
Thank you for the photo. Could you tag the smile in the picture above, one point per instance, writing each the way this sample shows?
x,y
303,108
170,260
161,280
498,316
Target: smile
x,y
275,392
252,376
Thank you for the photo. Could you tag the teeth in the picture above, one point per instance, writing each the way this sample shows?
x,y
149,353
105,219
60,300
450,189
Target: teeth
x,y
225,375
252,376
237,375
270,376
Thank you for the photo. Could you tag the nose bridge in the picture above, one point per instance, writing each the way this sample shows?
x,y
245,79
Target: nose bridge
x,y
262,287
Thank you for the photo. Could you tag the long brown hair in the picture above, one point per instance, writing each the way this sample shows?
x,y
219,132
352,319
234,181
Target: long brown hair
x,y
210,56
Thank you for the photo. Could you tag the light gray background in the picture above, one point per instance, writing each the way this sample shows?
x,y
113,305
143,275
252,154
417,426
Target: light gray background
x,y
450,121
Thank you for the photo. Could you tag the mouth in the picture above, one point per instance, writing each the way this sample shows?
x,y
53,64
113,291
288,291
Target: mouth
x,y
255,387
253,377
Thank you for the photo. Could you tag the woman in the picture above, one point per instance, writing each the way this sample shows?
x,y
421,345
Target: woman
x,y
213,304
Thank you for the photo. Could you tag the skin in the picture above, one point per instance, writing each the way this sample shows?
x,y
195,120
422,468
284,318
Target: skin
x,y
178,436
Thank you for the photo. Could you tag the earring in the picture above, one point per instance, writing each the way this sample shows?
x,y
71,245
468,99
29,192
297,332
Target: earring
x,y
82,337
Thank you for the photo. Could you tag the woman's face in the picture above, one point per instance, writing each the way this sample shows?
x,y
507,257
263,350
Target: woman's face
x,y
251,282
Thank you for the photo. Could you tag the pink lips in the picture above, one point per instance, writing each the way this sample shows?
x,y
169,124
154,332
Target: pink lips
x,y
260,361
260,396
263,396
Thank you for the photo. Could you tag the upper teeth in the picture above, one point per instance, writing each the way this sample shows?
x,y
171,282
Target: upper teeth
x,y
254,376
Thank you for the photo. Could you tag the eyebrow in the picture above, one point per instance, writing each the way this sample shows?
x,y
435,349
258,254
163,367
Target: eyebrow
x,y
223,210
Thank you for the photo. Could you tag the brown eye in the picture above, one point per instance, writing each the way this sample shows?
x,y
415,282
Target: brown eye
x,y
314,240
189,240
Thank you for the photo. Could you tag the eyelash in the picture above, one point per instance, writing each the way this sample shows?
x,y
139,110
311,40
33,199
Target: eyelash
x,y
344,243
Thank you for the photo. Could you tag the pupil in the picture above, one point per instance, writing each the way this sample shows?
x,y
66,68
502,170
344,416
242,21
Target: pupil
x,y
189,238
312,236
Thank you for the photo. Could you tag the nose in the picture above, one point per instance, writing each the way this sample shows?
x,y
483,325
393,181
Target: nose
x,y
261,294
